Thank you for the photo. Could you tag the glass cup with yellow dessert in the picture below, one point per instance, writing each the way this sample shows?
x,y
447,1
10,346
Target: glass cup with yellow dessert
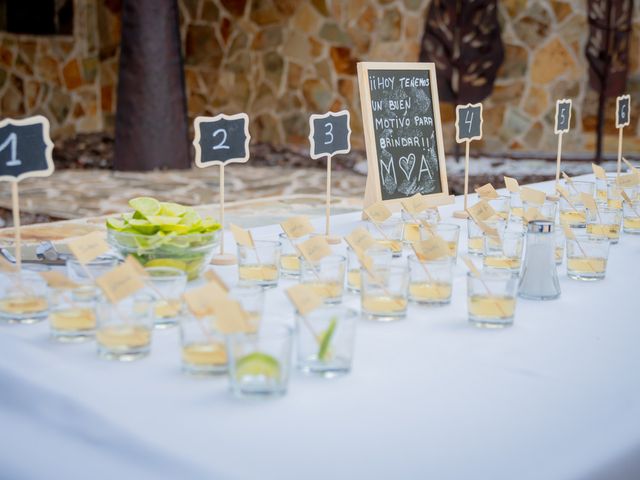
x,y
258,265
72,316
545,211
388,234
88,272
251,298
203,349
504,252
577,187
614,195
573,214
587,256
450,233
605,221
559,244
290,256
412,231
168,284
516,207
379,255
602,186
430,281
325,277
502,206
631,217
491,298
124,328
475,238
23,297
384,293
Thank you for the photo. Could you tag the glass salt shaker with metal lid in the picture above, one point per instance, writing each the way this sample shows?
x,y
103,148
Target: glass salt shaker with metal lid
x,y
539,278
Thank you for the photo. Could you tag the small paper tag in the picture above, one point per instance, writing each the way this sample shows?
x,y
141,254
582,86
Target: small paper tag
x,y
599,172
415,204
533,214
481,211
490,231
136,265
432,249
88,247
120,283
563,192
589,202
626,198
533,196
202,300
230,317
241,236
378,212
511,184
568,232
297,227
315,249
211,276
628,181
304,298
57,279
7,266
471,266
487,191
633,169
360,239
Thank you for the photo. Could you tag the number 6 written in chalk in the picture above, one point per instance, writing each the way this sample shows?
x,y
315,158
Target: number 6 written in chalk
x,y
222,145
12,142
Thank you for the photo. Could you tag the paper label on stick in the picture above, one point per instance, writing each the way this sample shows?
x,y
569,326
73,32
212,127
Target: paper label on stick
x,y
633,169
487,191
211,276
489,231
568,232
481,211
360,240
241,236
304,298
471,266
511,184
202,300
588,201
230,317
88,247
599,172
626,198
315,249
533,214
563,192
120,283
6,266
136,265
628,181
297,227
415,204
57,279
378,212
533,196
432,249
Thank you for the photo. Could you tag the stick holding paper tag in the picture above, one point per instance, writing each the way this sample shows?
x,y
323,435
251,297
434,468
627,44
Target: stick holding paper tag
x,y
468,128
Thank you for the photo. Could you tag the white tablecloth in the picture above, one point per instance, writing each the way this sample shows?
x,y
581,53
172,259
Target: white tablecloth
x,y
557,396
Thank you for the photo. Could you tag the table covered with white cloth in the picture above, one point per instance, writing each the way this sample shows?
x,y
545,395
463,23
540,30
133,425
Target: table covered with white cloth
x,y
555,396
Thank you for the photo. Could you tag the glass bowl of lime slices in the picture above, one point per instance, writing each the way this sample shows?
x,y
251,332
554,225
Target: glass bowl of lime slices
x,y
165,234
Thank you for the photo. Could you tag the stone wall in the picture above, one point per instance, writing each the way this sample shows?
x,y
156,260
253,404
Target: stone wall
x,y
281,60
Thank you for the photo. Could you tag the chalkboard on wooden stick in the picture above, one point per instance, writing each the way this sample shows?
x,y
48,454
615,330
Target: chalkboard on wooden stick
x,y
468,122
402,130
563,116
25,148
330,134
623,105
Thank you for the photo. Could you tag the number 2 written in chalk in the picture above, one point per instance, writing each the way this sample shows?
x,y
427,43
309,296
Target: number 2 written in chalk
x,y
223,143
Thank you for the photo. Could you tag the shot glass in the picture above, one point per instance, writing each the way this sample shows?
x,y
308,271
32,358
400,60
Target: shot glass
x,y
587,257
450,233
325,339
430,282
124,328
614,195
95,268
574,214
491,298
259,265
631,217
413,231
168,284
384,294
251,298
577,187
502,206
203,349
602,187
516,206
560,243
290,256
606,221
475,238
379,255
260,362
388,234
505,254
325,277
548,210
72,316
23,297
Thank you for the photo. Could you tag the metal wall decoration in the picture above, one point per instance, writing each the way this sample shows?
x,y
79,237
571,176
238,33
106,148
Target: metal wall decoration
x,y
607,52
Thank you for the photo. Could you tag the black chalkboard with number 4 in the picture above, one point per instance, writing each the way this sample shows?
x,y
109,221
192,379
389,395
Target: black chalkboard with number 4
x,y
221,139
25,148
330,134
468,122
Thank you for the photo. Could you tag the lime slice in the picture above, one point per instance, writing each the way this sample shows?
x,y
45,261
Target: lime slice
x,y
209,225
325,340
256,364
190,218
145,205
171,209
166,262
116,224
163,220
143,226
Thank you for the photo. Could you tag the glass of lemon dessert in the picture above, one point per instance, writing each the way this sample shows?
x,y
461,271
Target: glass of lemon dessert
x,y
124,328
505,253
167,284
430,281
260,362
290,256
388,234
203,348
325,277
516,207
259,265
379,255
602,187
573,214
631,217
502,206
251,298
23,297
325,339
72,316
450,233
475,236
607,222
412,231
576,187
614,195
587,256
559,244
546,211
491,298
95,268
384,293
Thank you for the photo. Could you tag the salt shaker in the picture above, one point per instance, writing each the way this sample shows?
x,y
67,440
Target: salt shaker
x,y
539,279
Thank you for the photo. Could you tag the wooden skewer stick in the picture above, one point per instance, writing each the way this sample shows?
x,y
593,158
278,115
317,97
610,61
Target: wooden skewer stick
x,y
16,224
489,292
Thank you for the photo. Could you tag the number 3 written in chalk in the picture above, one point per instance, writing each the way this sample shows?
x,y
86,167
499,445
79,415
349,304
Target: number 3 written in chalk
x,y
329,133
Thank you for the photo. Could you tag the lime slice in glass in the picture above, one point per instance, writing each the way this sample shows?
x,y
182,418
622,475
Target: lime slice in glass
x,y
190,218
325,340
166,262
171,209
163,220
116,224
258,364
143,226
147,206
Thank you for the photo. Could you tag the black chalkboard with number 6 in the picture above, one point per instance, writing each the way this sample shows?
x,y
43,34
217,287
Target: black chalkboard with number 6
x,y
25,148
623,105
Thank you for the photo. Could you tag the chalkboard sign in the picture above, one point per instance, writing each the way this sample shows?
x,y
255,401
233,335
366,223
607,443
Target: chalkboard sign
x,y
221,139
330,134
623,104
468,122
403,134
563,116
25,148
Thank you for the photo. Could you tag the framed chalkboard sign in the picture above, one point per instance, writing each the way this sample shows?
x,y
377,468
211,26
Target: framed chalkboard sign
x,y
563,116
623,104
25,148
221,139
330,134
402,131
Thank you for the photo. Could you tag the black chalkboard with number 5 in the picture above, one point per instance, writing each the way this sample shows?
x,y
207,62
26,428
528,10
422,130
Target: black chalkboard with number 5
x,y
25,148
221,139
330,134
563,116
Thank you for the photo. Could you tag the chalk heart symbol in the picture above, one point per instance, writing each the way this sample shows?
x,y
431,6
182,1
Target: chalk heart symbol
x,y
407,164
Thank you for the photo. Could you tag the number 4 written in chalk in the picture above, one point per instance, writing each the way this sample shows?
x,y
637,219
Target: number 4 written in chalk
x,y
12,143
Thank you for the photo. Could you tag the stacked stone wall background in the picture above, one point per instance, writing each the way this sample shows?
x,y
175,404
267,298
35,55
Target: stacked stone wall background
x,y
281,60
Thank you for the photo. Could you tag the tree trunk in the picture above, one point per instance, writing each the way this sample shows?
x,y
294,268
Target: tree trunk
x,y
151,117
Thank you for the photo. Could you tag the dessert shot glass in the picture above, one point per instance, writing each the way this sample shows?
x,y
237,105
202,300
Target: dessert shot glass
x,y
384,293
587,257
491,298
167,285
430,281
259,265
23,297
388,234
72,315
